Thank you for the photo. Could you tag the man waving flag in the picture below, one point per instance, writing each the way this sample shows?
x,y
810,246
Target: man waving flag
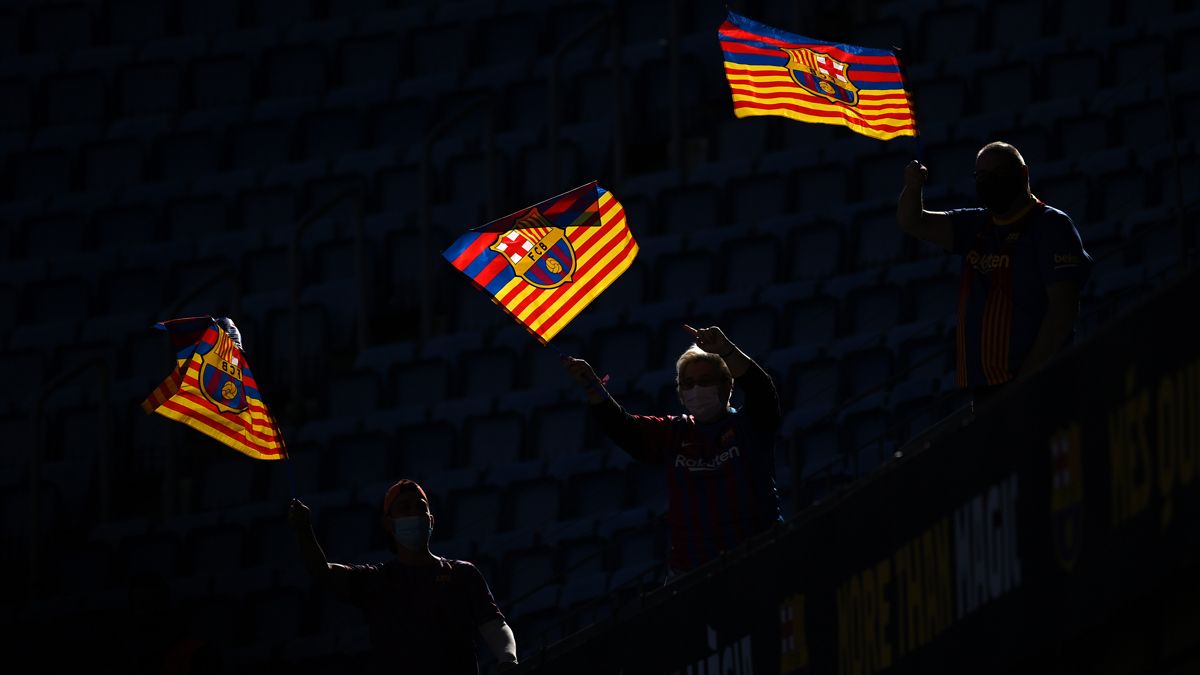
x,y
212,389
545,263
773,72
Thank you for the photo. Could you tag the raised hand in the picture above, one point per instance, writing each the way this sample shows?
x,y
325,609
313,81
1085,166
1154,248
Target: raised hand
x,y
711,340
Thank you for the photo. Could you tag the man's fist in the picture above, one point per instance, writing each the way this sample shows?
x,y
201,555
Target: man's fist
x,y
580,371
915,175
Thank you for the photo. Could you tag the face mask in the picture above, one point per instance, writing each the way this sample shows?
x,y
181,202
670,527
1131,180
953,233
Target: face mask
x,y
412,533
999,192
703,402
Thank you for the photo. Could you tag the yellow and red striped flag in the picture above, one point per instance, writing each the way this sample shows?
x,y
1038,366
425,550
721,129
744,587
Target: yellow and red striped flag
x,y
545,263
212,389
773,72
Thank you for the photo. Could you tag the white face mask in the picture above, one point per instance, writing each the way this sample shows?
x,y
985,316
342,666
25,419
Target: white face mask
x,y
412,532
704,402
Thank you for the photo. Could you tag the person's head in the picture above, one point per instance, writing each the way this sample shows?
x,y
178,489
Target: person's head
x,y
704,384
1001,177
406,515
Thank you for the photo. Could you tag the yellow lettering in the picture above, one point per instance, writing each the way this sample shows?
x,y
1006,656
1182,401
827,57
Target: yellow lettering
x,y
1130,453
937,580
870,617
1189,422
1168,413
883,578
848,599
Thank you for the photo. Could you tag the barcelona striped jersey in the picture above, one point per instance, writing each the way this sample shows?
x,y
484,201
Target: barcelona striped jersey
x,y
720,475
1006,268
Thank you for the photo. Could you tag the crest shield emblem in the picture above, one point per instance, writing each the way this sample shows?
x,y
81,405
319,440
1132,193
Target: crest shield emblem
x,y
1066,495
221,376
538,251
821,74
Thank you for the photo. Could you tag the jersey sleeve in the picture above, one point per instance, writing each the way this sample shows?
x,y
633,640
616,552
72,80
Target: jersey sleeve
x,y
1061,256
646,438
479,596
762,399
352,583
965,224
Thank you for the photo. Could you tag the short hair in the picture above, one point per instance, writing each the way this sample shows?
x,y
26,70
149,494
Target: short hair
x,y
399,486
1006,149
694,353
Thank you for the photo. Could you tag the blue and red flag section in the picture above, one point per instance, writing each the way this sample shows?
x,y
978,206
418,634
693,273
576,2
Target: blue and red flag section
x,y
773,72
545,263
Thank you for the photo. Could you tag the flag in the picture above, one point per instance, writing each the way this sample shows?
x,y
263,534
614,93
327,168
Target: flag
x,y
212,389
545,263
772,72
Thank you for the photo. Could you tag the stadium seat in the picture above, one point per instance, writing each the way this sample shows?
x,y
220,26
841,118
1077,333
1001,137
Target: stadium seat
x,y
535,502
689,208
149,89
61,27
493,439
1009,87
476,512
812,250
868,437
214,550
878,239
686,275
222,81
811,383
440,50
281,13
825,185
1133,61
943,99
865,370
44,173
190,154
596,493
112,165
912,407
755,327
811,320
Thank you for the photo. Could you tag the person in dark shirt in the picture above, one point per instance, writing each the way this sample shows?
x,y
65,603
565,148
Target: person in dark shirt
x,y
1023,267
423,611
718,461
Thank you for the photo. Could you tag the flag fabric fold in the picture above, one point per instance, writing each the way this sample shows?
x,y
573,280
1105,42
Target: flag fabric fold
x,y
544,264
213,390
773,72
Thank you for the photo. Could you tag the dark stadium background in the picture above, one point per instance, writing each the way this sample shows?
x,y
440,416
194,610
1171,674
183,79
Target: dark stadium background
x,y
298,165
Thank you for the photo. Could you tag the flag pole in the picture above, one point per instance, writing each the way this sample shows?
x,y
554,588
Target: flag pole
x,y
920,144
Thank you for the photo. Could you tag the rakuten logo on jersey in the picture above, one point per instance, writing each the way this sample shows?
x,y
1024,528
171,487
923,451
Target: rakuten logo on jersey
x,y
701,464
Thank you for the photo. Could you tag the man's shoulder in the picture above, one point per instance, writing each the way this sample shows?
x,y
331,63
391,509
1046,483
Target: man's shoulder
x,y
968,212
1053,214
458,568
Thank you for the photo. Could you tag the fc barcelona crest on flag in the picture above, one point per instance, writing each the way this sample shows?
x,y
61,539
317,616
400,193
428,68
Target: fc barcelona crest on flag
x,y
774,72
822,75
221,376
539,252
545,263
213,390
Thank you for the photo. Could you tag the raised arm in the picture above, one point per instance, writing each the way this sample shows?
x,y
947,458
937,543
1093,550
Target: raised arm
x,y
762,400
931,226
311,554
